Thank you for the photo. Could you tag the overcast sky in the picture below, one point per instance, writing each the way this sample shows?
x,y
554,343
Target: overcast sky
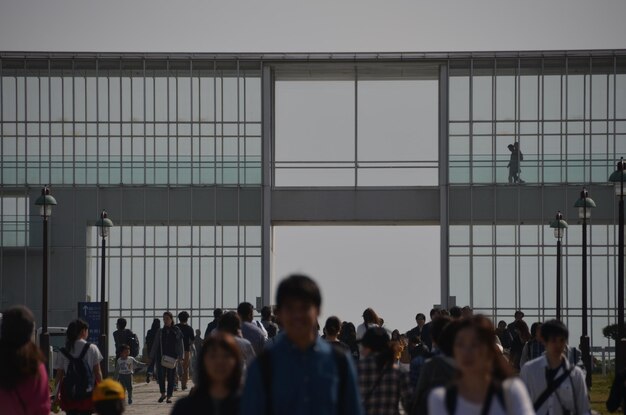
x,y
328,253
320,25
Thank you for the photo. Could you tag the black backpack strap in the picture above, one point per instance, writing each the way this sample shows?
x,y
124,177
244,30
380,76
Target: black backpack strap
x,y
341,360
550,389
84,351
452,394
66,353
450,399
265,369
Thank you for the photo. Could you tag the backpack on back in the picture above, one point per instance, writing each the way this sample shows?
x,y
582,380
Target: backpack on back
x,y
79,376
133,342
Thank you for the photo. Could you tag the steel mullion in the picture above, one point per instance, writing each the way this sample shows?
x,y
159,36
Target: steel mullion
x,y
73,128
356,127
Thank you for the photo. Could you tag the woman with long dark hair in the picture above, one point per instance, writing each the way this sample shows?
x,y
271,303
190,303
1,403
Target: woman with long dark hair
x,y
150,335
485,382
520,338
348,336
77,399
23,374
219,367
167,350
370,319
382,385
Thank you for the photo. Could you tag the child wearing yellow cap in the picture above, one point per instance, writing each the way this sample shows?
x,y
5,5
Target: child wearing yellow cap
x,y
108,397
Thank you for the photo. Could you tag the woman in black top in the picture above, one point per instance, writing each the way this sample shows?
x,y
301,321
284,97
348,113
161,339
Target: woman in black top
x,y
150,335
167,342
219,376
348,336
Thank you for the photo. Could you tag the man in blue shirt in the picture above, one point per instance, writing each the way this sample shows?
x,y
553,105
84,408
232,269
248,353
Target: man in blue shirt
x,y
300,374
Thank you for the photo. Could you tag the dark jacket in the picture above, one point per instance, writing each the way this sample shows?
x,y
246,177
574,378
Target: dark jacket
x,y
150,335
205,405
437,371
172,344
618,393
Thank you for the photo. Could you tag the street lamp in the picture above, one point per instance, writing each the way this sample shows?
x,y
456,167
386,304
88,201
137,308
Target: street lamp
x,y
45,203
584,205
104,223
560,226
618,180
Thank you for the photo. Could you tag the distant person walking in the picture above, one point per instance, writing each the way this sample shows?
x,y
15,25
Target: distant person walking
x,y
534,347
348,336
167,350
124,335
426,335
370,319
332,329
514,163
23,374
416,331
266,320
382,385
217,314
231,324
188,338
250,331
150,335
125,367
218,379
78,370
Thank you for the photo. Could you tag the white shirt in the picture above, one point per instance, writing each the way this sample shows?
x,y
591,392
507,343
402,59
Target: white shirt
x,y
360,331
126,366
571,395
92,357
515,397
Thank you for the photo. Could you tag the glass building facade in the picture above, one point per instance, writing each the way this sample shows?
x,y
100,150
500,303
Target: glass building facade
x,y
196,157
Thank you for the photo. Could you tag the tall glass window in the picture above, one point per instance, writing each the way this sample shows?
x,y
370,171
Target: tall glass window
x,y
552,120
152,269
131,122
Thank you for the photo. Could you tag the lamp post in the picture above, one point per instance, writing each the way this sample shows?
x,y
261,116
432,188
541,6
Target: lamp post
x,y
104,223
559,225
45,203
584,205
617,178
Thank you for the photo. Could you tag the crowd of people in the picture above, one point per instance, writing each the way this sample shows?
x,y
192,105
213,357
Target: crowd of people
x,y
456,363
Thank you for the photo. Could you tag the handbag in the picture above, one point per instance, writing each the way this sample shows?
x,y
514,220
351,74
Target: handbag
x,y
167,362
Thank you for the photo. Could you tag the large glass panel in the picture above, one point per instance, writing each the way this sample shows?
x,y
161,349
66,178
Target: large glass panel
x,y
314,123
147,275
459,98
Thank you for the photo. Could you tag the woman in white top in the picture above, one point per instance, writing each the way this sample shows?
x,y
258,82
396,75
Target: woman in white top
x,y
485,385
76,346
370,319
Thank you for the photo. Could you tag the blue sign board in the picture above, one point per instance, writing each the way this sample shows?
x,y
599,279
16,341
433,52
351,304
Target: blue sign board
x,y
90,312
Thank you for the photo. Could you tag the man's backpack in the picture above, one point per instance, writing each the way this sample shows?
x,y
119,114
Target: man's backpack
x,y
133,342
79,376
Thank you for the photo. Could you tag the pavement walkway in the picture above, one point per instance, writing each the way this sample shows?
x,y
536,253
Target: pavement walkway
x,y
145,397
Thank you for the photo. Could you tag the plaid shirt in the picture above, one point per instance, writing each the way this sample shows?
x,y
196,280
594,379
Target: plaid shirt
x,y
383,395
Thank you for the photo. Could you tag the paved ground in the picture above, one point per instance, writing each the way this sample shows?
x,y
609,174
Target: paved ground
x,y
145,397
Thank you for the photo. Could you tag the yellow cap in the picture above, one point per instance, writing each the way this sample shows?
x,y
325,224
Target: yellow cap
x,y
108,390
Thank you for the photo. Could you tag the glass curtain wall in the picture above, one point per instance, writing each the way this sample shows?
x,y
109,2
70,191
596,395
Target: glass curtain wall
x,y
86,124
152,269
566,115
131,122
362,125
